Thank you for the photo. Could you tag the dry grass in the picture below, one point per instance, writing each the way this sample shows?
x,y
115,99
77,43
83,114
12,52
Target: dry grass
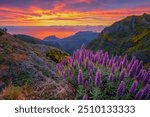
x,y
12,93
51,90
16,57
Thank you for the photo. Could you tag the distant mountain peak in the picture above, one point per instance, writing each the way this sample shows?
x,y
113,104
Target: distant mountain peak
x,y
84,32
51,38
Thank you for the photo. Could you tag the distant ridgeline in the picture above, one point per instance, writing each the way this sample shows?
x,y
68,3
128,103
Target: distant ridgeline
x,y
129,36
73,42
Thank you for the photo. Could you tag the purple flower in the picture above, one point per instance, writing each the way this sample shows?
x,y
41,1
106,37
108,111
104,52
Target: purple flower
x,y
110,62
146,78
129,67
133,59
121,89
114,59
111,77
85,97
133,69
133,87
139,94
86,83
104,61
98,78
125,61
86,64
139,67
90,75
80,61
120,66
91,65
122,75
140,74
80,78
113,69
146,93
119,60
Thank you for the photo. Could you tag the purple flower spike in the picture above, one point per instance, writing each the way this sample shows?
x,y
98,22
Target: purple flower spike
x,y
133,69
113,69
146,78
120,66
86,64
129,67
139,94
139,67
86,84
119,60
85,97
133,87
90,75
122,75
125,61
121,89
98,78
140,74
146,93
111,77
114,59
80,77
110,62
133,59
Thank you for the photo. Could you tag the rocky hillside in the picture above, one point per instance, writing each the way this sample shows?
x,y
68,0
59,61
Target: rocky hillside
x,y
27,71
129,36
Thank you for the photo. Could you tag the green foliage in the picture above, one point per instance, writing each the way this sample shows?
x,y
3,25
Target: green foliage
x,y
37,52
56,55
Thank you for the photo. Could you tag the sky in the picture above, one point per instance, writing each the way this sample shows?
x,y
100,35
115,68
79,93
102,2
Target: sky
x,y
78,13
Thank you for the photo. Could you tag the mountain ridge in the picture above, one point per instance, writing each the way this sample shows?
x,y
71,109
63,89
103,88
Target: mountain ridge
x,y
75,41
128,36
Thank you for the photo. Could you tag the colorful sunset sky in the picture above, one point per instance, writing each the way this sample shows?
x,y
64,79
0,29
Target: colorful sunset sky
x,y
68,12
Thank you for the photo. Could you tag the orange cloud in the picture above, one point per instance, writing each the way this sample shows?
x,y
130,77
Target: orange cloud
x,y
34,16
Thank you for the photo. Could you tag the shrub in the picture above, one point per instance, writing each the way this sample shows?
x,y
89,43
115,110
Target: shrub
x,y
56,55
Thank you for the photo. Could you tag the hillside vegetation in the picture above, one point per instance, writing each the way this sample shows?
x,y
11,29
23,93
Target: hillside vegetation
x,y
129,36
27,71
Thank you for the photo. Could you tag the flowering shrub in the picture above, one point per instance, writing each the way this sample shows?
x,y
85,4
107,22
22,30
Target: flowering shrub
x,y
99,76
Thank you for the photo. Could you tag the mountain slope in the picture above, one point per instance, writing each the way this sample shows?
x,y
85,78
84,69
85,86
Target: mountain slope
x,y
129,36
52,38
30,66
73,42
34,40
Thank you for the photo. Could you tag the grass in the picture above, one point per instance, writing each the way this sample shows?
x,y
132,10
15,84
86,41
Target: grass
x,y
12,93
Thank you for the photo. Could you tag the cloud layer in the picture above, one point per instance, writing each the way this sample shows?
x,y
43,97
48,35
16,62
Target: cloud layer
x,y
68,12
